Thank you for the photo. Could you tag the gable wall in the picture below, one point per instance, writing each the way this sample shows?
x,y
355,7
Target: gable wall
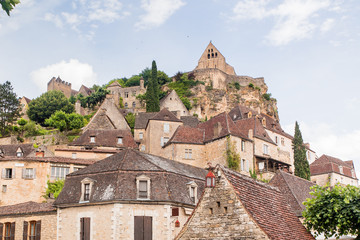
x,y
174,103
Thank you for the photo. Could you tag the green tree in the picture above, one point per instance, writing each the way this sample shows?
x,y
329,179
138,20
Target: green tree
x,y
53,189
9,107
65,122
302,168
48,103
152,92
8,5
333,211
232,157
130,118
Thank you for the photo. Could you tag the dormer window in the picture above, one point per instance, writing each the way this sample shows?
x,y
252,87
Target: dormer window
x,y
19,152
86,187
119,140
92,139
210,179
341,169
249,114
143,187
192,186
263,121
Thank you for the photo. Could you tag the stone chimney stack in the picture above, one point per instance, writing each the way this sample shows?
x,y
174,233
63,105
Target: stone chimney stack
x,y
251,134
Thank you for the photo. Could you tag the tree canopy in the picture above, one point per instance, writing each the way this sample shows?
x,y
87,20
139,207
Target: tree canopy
x,y
152,92
8,5
333,211
9,107
302,168
65,121
48,103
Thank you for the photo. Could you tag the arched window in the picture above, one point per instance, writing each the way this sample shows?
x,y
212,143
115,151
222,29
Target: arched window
x,y
126,105
133,104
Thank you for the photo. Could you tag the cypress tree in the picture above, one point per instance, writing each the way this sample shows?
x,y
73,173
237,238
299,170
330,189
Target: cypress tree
x,y
302,168
154,79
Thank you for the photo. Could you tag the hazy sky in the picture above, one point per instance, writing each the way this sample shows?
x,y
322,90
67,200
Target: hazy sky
x,y
308,52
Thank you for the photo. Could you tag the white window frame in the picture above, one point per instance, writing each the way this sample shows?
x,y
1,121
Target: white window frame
x,y
143,148
119,140
83,182
147,180
166,127
29,173
244,165
188,153
92,139
341,169
141,135
193,187
242,145
59,172
266,149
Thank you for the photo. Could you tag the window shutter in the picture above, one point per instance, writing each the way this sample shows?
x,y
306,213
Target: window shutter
x,y
25,231
175,212
3,173
23,172
162,141
1,230
81,228
147,228
138,228
86,228
12,231
247,165
38,230
13,173
34,171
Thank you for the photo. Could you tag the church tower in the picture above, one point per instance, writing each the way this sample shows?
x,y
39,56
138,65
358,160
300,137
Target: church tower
x,y
212,58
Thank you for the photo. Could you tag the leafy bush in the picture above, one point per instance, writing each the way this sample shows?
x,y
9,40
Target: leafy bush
x,y
65,122
130,118
251,85
53,189
267,96
232,157
237,85
33,129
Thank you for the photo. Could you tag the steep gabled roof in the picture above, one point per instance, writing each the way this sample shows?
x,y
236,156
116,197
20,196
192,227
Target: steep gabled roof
x,y
274,125
165,115
190,121
106,138
241,112
327,164
142,119
27,208
268,207
246,124
220,126
27,100
186,134
295,189
10,150
115,84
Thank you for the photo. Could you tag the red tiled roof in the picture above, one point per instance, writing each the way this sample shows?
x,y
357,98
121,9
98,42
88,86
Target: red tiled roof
x,y
50,160
241,112
142,119
245,125
186,134
274,125
327,164
27,208
268,207
165,115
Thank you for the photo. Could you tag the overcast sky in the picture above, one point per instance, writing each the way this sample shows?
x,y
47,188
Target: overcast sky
x,y
308,52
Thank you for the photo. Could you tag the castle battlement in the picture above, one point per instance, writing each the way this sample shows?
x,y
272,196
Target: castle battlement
x,y
60,85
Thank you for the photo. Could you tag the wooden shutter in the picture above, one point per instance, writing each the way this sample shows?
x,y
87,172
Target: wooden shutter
x,y
23,172
1,231
81,228
147,228
84,228
139,228
175,212
3,173
38,230
25,230
34,171
12,231
13,173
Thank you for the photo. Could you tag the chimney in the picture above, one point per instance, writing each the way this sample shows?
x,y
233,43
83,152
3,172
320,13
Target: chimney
x,y
217,129
251,134
142,83
40,154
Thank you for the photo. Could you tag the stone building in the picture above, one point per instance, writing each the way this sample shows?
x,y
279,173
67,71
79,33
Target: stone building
x,y
142,195
234,206
327,169
24,106
28,220
173,103
208,143
295,190
60,85
127,94
25,178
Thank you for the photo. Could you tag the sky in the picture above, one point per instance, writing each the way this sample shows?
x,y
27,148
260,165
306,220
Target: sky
x,y
307,51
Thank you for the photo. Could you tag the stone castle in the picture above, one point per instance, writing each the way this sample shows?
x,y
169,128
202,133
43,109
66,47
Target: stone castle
x,y
60,85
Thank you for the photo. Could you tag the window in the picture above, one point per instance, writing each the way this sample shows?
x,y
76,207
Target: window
x,y
282,141
134,104
92,139
244,165
8,173
126,94
143,148
77,168
166,139
142,228
32,230
192,191
126,105
119,140
143,187
73,155
353,173
188,153
276,139
210,179
192,194
341,169
266,149
9,230
4,188
28,173
242,145
87,192
163,141
85,228
59,172
166,128
141,135
19,154
174,211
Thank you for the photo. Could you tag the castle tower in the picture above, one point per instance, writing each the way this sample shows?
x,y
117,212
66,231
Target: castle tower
x,y
212,58
59,85
142,83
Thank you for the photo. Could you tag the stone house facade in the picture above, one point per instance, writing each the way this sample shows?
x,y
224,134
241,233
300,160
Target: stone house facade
x,y
56,84
140,193
328,169
28,220
173,103
234,206
26,177
24,106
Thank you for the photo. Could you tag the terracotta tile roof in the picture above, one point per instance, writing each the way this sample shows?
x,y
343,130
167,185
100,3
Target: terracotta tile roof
x,y
142,119
115,179
27,208
186,134
106,138
27,99
327,164
240,112
115,84
220,126
87,90
93,150
268,207
50,160
190,121
245,125
165,115
295,189
274,125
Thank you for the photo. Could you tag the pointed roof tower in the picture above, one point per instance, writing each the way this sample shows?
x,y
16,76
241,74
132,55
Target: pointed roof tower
x,y
212,58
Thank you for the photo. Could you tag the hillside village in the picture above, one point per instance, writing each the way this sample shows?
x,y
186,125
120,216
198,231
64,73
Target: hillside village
x,y
212,163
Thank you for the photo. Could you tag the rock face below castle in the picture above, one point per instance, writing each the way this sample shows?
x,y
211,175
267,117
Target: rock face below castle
x,y
224,89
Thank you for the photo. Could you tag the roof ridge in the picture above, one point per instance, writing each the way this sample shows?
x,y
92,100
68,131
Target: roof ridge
x,y
287,184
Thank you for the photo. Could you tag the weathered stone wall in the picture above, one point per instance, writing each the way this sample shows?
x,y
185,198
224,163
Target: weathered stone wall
x,y
128,94
59,85
332,179
48,224
82,154
220,215
284,148
177,152
119,223
172,102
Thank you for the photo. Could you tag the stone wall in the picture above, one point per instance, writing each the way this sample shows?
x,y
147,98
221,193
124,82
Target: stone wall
x,y
59,85
48,224
172,102
220,215
332,179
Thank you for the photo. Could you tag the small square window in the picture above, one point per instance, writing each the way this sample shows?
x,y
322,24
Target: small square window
x,y
4,188
188,153
119,140
143,148
92,139
166,128
143,192
9,173
175,212
141,135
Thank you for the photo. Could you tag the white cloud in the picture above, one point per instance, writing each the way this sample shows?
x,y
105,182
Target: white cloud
x,y
324,139
54,19
294,19
157,12
73,71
